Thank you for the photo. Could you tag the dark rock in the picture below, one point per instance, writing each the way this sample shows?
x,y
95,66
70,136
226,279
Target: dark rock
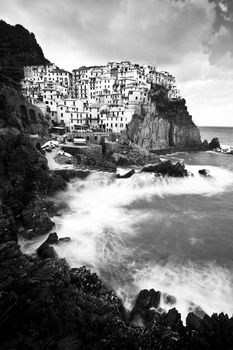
x,y
122,161
193,322
169,299
45,251
204,172
68,174
172,319
52,238
64,240
167,168
145,305
107,166
205,145
150,168
214,143
127,175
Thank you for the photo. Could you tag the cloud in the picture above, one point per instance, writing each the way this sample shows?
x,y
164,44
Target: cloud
x,y
151,30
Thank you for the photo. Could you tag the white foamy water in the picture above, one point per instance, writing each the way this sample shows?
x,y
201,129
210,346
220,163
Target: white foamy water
x,y
148,232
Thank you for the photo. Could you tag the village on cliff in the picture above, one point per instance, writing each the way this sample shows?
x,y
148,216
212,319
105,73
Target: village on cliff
x,y
96,98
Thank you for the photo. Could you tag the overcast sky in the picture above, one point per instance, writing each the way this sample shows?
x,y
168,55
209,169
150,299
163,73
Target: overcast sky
x,y
192,39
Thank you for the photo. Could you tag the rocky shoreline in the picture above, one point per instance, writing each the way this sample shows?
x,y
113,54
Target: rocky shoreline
x,y
47,305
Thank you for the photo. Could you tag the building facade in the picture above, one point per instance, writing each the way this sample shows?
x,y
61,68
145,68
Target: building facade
x,y
95,97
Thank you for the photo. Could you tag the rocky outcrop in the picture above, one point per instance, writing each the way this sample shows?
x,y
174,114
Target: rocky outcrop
x,y
214,143
25,179
126,175
18,48
169,126
167,168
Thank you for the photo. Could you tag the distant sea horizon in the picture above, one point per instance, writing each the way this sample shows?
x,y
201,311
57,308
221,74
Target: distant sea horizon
x,y
223,133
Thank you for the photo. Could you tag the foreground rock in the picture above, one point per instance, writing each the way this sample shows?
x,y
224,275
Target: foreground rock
x,y
146,304
46,305
127,175
204,172
167,168
46,250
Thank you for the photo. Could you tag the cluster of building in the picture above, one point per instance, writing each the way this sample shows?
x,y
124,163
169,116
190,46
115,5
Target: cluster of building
x,y
95,98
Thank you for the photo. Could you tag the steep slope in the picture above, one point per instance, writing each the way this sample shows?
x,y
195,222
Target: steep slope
x,y
168,126
18,48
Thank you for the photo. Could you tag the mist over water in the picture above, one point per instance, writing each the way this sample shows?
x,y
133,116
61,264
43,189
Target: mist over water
x,y
173,235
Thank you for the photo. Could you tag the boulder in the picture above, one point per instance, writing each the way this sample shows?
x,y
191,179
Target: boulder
x,y
204,172
52,238
167,168
126,175
205,145
193,321
169,299
64,240
172,319
45,251
145,306
214,143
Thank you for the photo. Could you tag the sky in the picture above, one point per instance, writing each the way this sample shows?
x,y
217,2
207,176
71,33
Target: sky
x,y
192,39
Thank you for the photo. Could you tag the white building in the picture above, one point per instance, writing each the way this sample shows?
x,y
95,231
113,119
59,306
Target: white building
x,y
94,97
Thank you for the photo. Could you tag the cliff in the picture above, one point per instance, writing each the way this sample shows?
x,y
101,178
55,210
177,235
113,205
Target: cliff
x,y
44,304
168,126
18,48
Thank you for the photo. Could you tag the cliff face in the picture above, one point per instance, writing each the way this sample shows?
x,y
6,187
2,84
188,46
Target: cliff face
x,y
24,175
170,125
18,48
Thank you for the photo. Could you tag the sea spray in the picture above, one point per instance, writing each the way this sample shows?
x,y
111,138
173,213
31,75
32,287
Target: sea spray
x,y
151,232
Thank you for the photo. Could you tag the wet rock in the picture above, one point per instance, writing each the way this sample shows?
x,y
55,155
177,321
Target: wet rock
x,y
167,168
193,321
52,238
204,172
169,299
64,240
127,175
150,169
172,319
205,145
68,174
146,304
122,160
35,218
46,251
214,143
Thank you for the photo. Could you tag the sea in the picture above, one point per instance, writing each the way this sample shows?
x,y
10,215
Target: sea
x,y
171,234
